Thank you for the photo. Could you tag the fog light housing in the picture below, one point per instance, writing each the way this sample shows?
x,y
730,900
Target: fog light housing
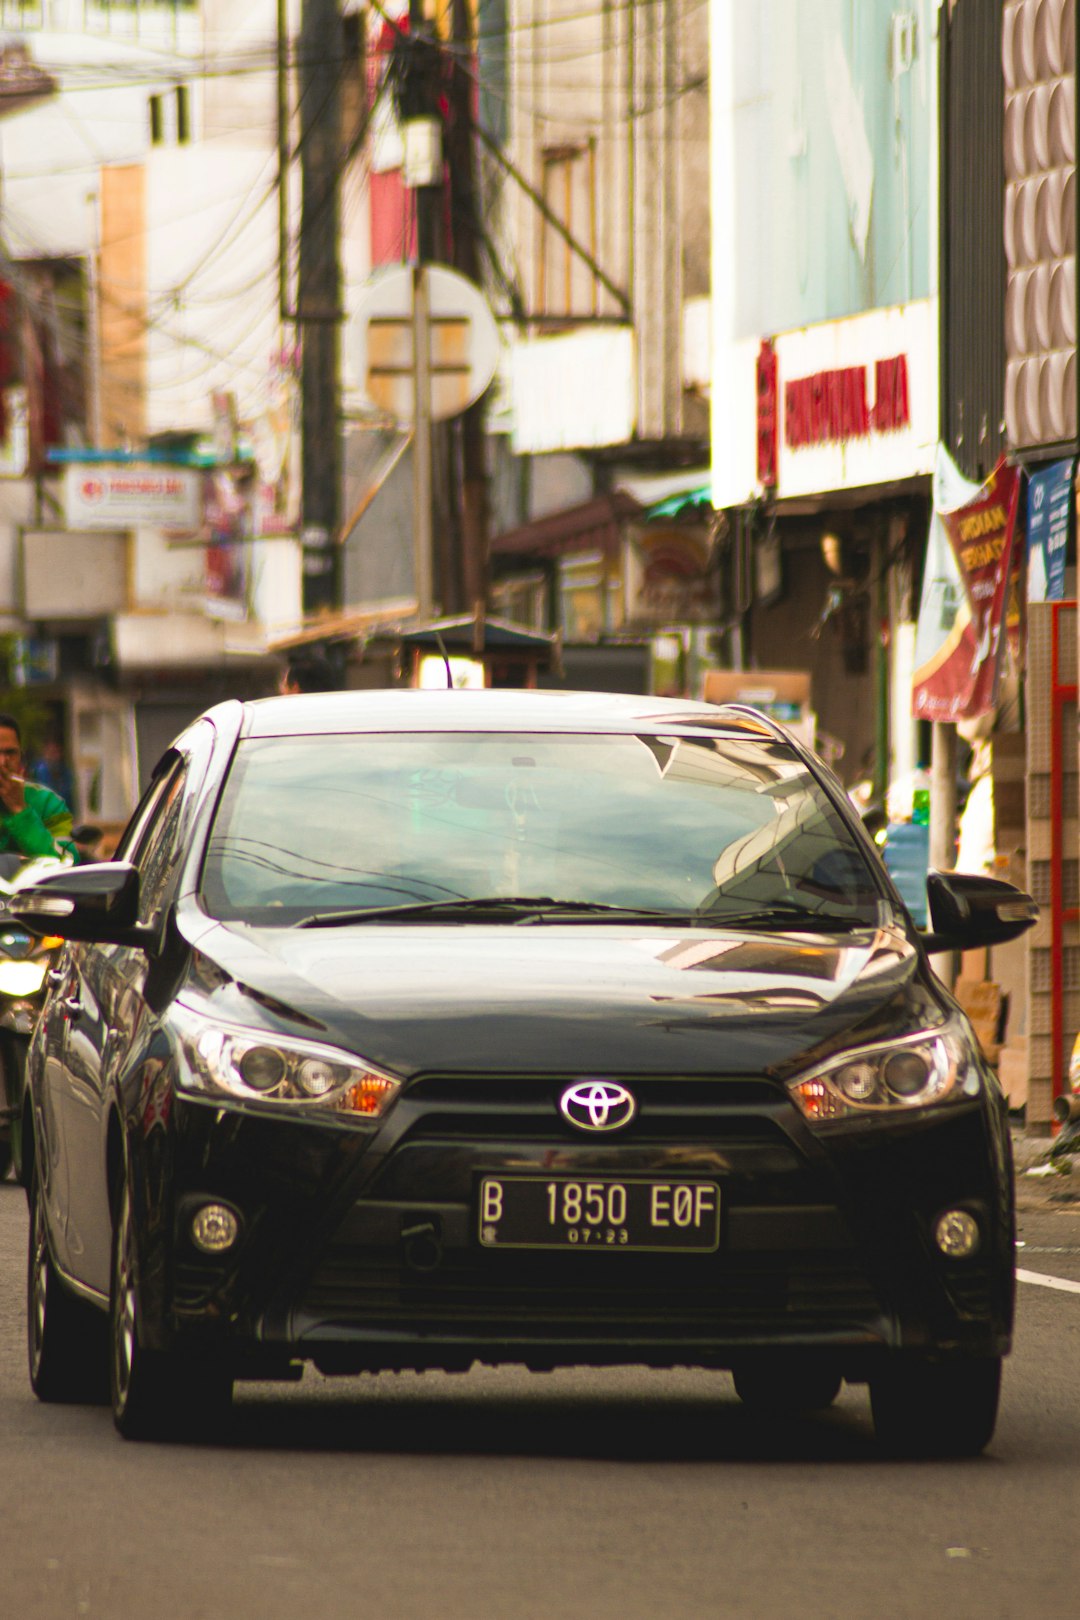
x,y
956,1234
214,1228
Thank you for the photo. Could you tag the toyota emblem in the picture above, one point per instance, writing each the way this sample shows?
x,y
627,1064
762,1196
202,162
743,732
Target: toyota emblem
x,y
597,1105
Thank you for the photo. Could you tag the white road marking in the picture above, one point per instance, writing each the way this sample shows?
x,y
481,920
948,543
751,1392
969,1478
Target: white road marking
x,y
1040,1278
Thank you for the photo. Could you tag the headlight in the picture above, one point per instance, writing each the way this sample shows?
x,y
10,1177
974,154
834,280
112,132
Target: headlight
x,y
239,1063
915,1071
21,978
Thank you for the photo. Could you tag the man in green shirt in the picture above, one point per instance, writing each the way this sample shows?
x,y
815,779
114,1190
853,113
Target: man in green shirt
x,y
34,820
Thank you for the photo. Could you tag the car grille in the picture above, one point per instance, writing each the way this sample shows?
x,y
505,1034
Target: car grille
x,y
669,1108
575,1296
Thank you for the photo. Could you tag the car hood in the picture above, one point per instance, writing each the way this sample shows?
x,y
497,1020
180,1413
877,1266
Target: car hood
x,y
632,999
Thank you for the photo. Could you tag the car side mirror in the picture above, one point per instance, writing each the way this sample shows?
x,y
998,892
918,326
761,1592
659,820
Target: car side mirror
x,y
968,911
96,903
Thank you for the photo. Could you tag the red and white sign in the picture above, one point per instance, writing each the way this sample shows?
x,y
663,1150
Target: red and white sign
x,y
856,405
858,401
100,496
959,679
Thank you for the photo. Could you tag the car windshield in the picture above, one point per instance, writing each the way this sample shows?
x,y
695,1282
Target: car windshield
x,y
531,825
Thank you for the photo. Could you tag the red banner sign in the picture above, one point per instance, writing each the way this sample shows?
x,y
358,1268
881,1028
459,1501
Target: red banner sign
x,y
767,412
961,679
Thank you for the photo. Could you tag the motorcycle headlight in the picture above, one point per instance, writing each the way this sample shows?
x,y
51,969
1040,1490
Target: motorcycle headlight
x,y
21,978
889,1078
260,1068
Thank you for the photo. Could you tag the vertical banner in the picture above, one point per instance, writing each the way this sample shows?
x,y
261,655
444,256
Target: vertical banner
x,y
1049,500
959,678
942,616
226,526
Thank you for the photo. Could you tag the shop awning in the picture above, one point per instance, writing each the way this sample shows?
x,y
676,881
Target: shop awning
x,y
351,624
681,505
594,525
464,632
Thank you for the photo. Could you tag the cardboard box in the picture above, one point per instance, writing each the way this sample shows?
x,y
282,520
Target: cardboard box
x,y
782,694
1013,1073
768,689
981,1000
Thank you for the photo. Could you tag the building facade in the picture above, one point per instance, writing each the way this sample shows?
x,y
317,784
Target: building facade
x,y
148,215
825,396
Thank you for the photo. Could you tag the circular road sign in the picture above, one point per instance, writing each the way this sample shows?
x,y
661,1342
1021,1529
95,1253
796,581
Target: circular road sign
x,y
463,341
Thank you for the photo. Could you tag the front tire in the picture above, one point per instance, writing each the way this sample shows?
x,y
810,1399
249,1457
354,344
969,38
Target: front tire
x,y
936,1409
66,1338
156,1394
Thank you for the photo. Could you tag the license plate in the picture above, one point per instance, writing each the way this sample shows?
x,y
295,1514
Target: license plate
x,y
563,1212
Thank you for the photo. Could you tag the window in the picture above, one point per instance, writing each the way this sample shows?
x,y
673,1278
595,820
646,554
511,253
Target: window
x,y
160,846
170,117
308,825
588,601
565,285
522,598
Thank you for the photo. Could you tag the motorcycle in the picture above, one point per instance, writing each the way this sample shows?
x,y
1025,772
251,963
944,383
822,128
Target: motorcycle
x,y
25,961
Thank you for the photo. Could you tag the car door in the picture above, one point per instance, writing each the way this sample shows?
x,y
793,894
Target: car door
x,y
105,1010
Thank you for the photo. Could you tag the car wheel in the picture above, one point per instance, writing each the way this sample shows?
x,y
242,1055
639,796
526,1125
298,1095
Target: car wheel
x,y
936,1409
5,1157
66,1338
785,1388
155,1394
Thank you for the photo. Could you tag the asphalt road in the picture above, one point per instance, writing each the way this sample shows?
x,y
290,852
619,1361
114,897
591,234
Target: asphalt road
x,y
502,1494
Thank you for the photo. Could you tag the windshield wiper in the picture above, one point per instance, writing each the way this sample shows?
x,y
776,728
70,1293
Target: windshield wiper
x,y
797,918
496,907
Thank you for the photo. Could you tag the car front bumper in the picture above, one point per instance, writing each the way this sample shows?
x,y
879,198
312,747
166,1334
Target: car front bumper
x,y
361,1251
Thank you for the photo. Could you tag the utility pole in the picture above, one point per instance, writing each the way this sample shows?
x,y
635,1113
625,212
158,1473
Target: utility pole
x,y
421,446
464,217
320,63
420,101
418,83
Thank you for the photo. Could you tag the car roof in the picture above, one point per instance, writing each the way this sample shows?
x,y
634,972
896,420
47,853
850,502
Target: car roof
x,y
501,709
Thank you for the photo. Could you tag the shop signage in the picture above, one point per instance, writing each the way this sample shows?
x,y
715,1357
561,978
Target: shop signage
x,y
671,577
35,660
959,657
767,411
1049,499
830,407
100,496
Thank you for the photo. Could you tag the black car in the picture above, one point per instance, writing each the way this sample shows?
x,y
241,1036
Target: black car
x,y
417,1029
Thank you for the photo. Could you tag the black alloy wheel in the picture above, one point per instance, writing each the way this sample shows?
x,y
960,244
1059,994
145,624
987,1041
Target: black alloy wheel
x,y
936,1409
66,1338
155,1394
